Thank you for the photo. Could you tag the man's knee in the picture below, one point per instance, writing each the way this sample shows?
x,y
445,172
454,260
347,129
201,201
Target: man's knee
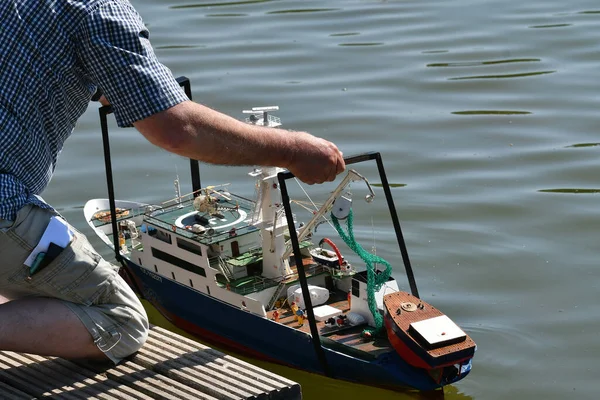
x,y
118,325
123,341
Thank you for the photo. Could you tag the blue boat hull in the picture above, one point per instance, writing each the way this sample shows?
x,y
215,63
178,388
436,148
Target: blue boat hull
x,y
218,322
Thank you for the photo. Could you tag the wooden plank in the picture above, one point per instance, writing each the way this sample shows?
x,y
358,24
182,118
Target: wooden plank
x,y
47,368
117,389
181,373
249,370
27,380
168,366
152,383
88,386
204,364
10,393
240,366
281,388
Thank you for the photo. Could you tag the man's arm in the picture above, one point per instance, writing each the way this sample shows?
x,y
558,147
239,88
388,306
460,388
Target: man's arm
x,y
198,132
119,58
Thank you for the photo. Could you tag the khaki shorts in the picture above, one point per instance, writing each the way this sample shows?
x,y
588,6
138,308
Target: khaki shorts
x,y
80,277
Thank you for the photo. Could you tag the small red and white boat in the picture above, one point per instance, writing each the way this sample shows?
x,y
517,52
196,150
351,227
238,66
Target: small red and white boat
x,y
425,337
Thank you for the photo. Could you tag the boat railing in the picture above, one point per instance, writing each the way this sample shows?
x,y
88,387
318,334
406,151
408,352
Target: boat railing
x,y
223,197
207,238
136,243
312,269
258,284
102,218
256,249
221,266
276,294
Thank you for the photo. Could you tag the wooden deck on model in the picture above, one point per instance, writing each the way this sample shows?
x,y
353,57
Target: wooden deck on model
x,y
406,309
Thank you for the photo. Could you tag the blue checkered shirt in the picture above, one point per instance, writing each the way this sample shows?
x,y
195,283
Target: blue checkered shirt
x,y
54,55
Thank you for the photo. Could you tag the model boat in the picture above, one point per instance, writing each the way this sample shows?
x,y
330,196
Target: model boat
x,y
245,274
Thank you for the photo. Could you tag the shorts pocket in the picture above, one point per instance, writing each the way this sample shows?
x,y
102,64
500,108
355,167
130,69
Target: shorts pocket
x,y
76,274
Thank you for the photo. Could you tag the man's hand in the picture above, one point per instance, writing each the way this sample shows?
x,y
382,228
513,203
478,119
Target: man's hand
x,y
315,160
103,101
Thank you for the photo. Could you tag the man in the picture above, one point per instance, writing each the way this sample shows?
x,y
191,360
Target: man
x,y
55,55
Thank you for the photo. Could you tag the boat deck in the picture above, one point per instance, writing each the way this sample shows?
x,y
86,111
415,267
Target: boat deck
x,y
231,216
405,309
347,335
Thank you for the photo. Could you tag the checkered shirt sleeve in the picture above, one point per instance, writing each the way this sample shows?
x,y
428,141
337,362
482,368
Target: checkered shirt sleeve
x,y
114,48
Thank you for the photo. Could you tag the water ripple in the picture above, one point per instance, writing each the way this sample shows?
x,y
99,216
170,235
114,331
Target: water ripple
x,y
550,26
303,10
345,34
360,44
496,331
521,75
570,191
231,3
584,145
227,15
478,63
391,185
491,112
176,47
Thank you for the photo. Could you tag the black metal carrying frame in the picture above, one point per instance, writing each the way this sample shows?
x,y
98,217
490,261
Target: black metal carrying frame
x,y
283,176
194,165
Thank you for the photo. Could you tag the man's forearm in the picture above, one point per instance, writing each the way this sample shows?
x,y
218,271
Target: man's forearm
x,y
192,130
195,131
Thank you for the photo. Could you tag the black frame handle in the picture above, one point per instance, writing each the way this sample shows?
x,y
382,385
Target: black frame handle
x,y
104,111
283,176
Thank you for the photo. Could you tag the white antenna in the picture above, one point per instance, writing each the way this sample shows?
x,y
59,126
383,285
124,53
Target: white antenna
x,y
260,116
177,188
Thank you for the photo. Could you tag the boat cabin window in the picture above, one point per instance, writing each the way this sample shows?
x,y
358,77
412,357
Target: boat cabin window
x,y
355,288
221,280
161,255
163,236
191,247
254,269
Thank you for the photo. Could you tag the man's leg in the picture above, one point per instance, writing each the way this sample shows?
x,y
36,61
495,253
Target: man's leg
x,y
75,307
46,327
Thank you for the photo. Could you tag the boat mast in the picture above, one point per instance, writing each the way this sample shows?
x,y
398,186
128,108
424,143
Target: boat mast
x,y
270,208
184,82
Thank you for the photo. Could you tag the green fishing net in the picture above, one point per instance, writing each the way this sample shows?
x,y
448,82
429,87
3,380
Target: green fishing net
x,y
374,280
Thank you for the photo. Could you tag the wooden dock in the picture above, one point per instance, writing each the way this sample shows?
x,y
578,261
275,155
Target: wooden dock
x,y
168,366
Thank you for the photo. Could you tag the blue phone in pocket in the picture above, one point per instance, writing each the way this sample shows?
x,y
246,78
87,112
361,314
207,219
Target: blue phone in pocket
x,y
42,260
